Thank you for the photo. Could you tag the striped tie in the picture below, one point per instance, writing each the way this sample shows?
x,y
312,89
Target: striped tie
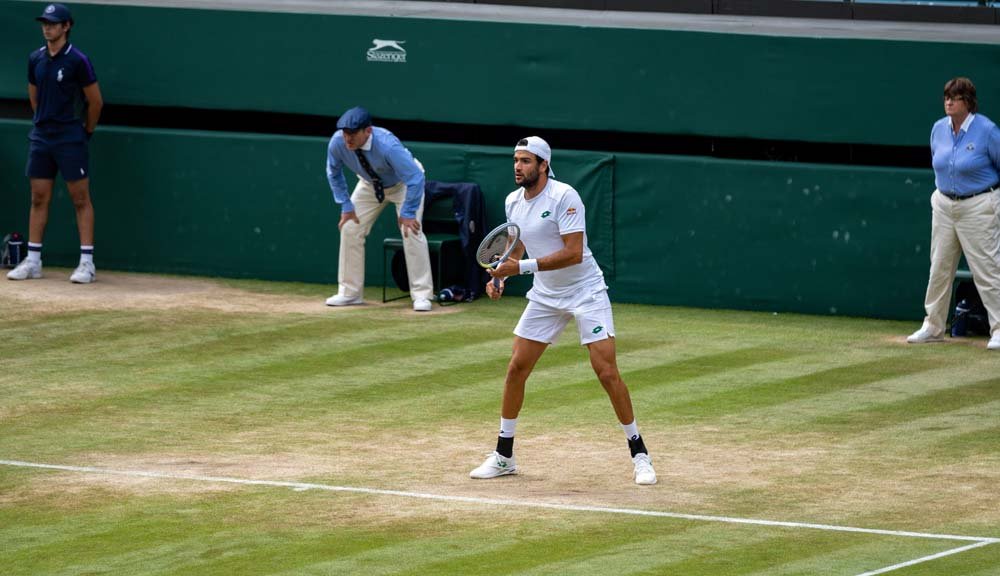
x,y
376,181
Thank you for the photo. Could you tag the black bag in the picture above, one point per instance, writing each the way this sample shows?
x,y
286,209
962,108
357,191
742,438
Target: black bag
x,y
970,317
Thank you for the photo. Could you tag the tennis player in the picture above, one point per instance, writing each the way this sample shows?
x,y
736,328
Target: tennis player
x,y
567,284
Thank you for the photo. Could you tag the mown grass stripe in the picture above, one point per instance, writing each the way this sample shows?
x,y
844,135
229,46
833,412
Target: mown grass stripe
x,y
737,400
862,421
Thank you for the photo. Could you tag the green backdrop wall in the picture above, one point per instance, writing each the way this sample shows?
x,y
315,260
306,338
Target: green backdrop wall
x,y
667,230
630,80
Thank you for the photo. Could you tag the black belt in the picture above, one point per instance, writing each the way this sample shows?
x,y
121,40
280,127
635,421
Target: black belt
x,y
954,196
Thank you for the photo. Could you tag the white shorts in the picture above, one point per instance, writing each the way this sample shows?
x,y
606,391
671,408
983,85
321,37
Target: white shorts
x,y
544,323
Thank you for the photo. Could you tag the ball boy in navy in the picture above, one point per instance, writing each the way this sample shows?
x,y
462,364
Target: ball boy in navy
x,y
67,102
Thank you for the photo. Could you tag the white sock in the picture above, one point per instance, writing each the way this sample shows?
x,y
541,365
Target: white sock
x,y
86,254
507,427
631,430
34,252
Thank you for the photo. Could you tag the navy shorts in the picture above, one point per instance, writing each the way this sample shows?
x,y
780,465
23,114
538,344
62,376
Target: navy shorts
x,y
71,159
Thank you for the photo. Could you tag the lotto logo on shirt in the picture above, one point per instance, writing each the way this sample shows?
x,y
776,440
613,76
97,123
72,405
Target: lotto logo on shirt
x,y
546,214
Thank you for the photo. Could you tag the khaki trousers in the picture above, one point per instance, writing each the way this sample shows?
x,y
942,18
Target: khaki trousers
x,y
971,226
351,270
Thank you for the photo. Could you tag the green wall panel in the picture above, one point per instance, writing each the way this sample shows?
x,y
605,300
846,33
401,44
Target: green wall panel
x,y
667,230
773,236
656,81
245,205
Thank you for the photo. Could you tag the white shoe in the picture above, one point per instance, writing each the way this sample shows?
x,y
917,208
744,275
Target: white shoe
x,y
924,335
495,465
422,305
994,343
26,270
644,473
338,300
85,273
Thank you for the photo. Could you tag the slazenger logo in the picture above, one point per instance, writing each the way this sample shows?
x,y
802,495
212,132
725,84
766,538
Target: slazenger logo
x,y
387,51
50,9
59,75
546,214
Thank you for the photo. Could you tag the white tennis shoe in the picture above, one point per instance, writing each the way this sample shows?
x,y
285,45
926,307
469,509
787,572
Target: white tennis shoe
x,y
495,465
994,343
338,300
26,270
924,335
85,273
422,305
644,473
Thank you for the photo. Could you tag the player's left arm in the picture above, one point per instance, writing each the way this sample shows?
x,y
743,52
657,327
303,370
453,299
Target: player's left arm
x,y
571,253
571,215
95,102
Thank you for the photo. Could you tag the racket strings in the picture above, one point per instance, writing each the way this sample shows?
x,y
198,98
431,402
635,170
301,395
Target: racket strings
x,y
492,250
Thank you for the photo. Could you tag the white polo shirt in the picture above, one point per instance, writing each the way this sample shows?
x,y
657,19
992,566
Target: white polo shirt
x,y
543,220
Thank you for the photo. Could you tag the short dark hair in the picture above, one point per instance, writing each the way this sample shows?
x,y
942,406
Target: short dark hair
x,y
962,88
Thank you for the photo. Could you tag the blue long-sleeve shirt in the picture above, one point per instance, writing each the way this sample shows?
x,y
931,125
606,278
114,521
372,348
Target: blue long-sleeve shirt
x,y
967,162
388,157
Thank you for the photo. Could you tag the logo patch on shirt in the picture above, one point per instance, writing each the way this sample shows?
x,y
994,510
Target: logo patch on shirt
x,y
571,211
970,147
546,214
59,75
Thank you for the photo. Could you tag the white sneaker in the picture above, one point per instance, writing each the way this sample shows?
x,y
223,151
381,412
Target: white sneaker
x,y
85,273
924,335
495,465
338,300
644,473
26,270
422,305
994,343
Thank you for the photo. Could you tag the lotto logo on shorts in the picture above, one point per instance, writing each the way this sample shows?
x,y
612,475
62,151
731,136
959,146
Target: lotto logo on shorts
x,y
597,329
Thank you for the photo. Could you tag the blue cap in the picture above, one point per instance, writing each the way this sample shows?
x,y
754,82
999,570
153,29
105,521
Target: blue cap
x,y
355,119
55,13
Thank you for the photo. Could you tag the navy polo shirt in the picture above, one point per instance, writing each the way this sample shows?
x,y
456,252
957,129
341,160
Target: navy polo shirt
x,y
60,81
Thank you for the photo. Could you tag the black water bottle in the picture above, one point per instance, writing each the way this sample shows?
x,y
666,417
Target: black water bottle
x,y
15,249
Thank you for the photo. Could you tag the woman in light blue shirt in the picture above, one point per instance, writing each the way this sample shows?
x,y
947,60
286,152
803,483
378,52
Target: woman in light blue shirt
x,y
965,153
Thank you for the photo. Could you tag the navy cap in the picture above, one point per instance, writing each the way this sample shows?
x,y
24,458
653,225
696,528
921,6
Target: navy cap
x,y
55,13
355,119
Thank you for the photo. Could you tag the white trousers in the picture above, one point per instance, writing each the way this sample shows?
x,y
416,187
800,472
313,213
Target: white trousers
x,y
351,270
971,226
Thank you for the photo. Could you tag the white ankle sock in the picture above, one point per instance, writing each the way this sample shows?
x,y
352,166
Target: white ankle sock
x,y
631,430
507,427
86,254
34,252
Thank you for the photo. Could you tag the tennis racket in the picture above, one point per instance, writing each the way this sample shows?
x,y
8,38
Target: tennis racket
x,y
497,246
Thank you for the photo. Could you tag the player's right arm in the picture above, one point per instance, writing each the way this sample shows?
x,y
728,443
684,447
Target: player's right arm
x,y
33,96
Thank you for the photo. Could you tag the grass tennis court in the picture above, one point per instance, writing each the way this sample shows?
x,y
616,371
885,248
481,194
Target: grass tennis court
x,y
231,427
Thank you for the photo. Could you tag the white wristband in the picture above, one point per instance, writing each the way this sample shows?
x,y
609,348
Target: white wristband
x,y
528,266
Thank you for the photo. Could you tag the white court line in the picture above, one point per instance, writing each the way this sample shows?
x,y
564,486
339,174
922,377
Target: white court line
x,y
984,542
978,540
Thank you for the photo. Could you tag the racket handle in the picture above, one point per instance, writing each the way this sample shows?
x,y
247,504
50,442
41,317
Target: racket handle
x,y
496,283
